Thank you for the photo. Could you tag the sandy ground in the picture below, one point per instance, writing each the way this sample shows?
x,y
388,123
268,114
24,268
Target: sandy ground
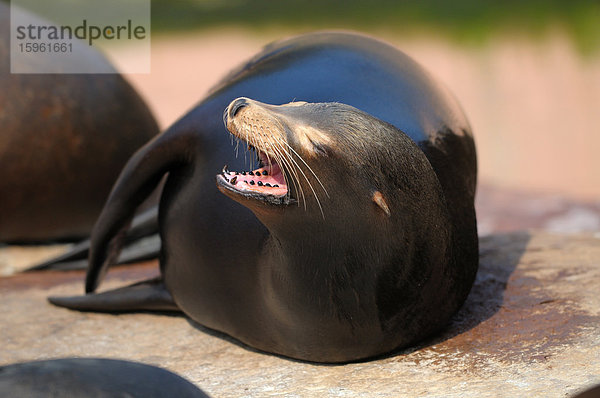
x,y
533,105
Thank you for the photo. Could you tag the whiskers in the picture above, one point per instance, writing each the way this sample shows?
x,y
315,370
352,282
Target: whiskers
x,y
275,149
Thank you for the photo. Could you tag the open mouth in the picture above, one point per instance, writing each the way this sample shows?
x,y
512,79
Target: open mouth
x,y
266,183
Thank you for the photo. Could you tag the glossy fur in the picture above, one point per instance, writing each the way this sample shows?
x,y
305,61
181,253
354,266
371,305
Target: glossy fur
x,y
386,259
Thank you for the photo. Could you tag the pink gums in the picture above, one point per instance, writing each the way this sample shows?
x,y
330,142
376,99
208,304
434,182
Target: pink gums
x,y
257,181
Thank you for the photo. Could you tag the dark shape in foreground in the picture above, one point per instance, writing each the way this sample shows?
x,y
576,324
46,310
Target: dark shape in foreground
x,y
92,377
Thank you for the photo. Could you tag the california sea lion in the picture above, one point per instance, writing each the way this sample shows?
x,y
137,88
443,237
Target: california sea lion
x,y
63,140
364,242
92,377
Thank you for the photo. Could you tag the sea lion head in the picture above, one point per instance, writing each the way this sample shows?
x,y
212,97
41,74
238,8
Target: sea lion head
x,y
334,171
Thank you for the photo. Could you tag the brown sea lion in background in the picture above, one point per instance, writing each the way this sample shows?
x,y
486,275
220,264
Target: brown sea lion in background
x,y
63,140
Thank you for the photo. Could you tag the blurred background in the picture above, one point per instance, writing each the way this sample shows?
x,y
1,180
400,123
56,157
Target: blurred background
x,y
526,73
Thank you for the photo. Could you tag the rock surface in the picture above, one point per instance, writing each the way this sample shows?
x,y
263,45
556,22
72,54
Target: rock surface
x,y
531,327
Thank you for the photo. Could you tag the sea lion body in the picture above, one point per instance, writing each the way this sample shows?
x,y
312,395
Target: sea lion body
x,y
92,377
63,140
380,261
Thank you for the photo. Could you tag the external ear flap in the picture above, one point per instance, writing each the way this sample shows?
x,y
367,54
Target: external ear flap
x,y
380,201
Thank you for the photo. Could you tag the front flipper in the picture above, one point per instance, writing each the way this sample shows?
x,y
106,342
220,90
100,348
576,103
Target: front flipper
x,y
151,295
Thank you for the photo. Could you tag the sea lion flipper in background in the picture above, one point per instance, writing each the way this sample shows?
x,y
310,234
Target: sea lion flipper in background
x,y
150,295
141,243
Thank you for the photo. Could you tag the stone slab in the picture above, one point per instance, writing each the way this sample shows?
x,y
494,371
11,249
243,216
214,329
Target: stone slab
x,y
529,328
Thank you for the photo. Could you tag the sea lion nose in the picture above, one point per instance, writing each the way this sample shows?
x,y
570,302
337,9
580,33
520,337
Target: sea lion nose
x,y
236,105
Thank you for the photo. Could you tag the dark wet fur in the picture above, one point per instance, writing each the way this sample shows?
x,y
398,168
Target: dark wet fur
x,y
337,282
